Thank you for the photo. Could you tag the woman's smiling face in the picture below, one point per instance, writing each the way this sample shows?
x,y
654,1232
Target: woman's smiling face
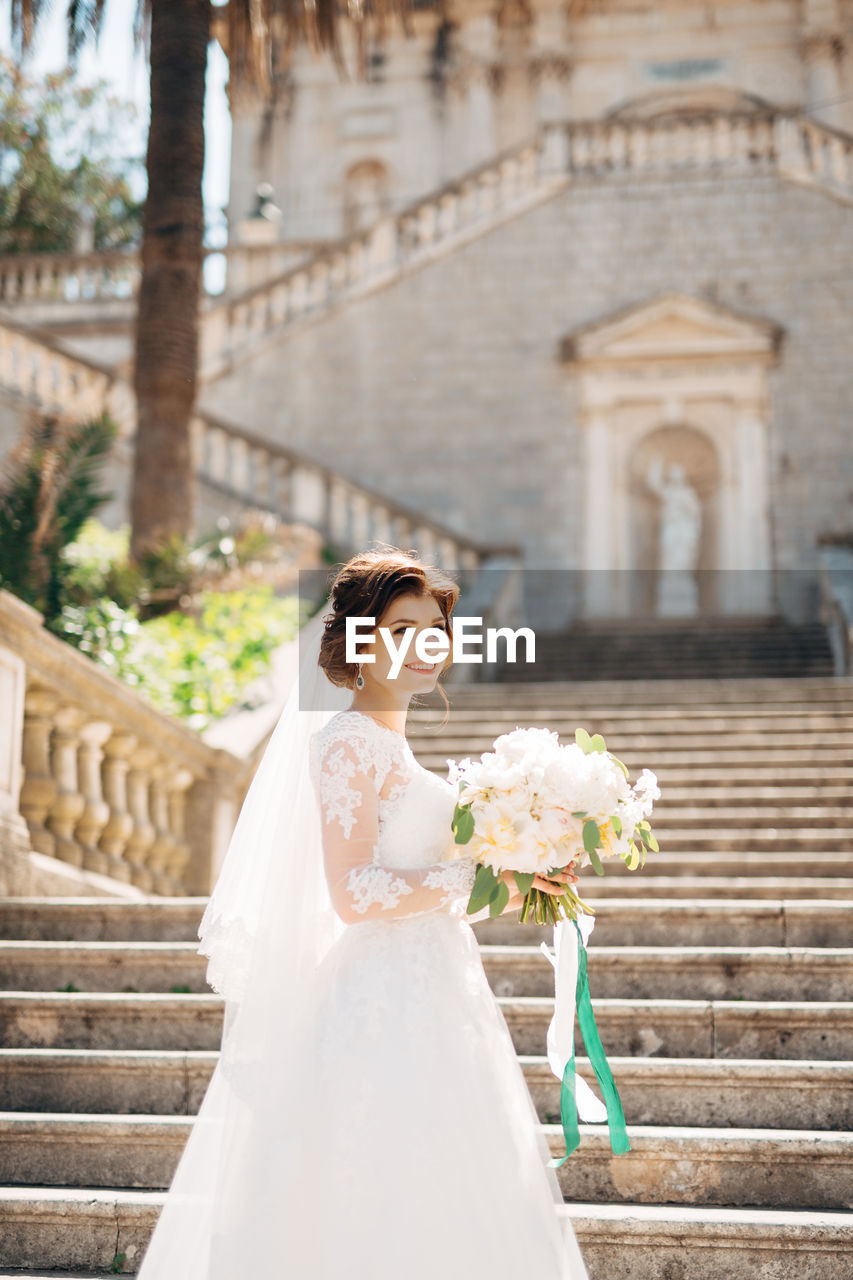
x,y
415,613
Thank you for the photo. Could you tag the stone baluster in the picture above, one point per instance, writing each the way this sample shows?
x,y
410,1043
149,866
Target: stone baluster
x,y
117,751
95,813
319,285
237,477
68,802
467,206
162,847
355,261
447,205
279,299
487,185
298,301
261,469
179,854
382,247
143,834
281,486
39,788
839,157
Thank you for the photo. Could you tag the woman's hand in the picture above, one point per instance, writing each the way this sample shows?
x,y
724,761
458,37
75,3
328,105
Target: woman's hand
x,y
547,884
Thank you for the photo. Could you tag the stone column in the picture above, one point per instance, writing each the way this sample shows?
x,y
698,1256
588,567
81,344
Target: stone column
x,y
69,803
15,875
116,833
39,785
96,811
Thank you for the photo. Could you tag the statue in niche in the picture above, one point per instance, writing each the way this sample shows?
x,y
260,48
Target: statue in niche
x,y
678,540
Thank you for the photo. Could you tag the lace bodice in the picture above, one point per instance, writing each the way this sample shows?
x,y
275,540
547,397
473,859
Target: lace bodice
x,y
389,852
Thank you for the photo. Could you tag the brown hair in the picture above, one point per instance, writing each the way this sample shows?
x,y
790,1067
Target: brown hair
x,y
364,587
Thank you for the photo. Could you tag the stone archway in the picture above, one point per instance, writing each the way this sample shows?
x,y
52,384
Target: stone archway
x,y
689,376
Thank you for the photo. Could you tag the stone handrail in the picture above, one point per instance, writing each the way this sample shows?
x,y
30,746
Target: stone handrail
x,y
114,274
233,460
109,784
785,142
788,143
35,367
245,465
373,257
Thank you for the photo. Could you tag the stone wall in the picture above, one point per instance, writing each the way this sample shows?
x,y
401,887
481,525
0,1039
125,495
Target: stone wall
x,y
447,389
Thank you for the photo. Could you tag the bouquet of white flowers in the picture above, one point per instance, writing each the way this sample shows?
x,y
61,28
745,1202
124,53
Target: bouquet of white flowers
x,y
534,805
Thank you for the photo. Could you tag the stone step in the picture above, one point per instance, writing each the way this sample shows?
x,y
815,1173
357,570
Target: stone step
x,y
660,922
686,1091
47,1227
748,820
645,1028
177,968
130,1082
760,1167
758,838
646,1242
689,973
644,922
662,1028
99,919
752,868
712,1092
640,884
688,759
110,1020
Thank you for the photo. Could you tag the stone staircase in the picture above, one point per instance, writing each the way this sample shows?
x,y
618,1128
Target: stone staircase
x,y
722,977
650,648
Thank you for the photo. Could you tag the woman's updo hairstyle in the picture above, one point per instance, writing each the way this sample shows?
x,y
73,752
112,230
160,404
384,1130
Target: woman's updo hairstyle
x,y
364,588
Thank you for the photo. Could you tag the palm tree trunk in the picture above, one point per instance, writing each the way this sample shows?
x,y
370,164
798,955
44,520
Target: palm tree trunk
x,y
167,322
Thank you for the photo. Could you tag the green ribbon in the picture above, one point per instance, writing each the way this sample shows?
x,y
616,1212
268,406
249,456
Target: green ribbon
x,y
568,1105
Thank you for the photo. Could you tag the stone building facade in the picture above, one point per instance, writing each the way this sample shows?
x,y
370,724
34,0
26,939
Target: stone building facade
x,y
685,324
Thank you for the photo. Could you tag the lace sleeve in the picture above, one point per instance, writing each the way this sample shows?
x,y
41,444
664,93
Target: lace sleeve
x,y
348,779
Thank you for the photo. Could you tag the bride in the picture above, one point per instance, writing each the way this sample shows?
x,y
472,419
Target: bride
x,y
367,1118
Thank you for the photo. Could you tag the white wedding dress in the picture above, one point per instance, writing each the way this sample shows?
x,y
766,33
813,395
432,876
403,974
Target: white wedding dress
x,y
405,1146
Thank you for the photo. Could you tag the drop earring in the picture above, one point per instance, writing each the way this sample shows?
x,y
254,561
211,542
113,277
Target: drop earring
x,y
359,680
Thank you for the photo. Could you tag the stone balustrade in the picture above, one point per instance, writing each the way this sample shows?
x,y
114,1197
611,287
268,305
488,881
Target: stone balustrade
x,y
110,785
376,255
787,143
42,373
242,464
113,276
67,277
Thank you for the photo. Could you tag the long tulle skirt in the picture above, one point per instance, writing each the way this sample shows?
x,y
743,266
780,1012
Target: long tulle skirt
x,y
403,1145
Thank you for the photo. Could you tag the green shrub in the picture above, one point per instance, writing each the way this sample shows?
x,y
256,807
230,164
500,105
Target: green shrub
x,y
191,665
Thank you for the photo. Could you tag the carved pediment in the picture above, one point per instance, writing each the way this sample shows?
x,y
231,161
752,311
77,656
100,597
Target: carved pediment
x,y
673,326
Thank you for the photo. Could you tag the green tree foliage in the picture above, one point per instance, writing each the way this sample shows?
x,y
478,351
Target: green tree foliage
x,y
49,488
59,161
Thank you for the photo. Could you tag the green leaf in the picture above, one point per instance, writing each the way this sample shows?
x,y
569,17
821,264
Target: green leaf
x,y
583,740
623,767
597,743
579,813
484,886
524,881
648,839
462,823
591,835
595,862
617,826
499,899
633,860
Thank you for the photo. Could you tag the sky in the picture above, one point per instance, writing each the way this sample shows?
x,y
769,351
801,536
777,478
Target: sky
x,y
114,60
